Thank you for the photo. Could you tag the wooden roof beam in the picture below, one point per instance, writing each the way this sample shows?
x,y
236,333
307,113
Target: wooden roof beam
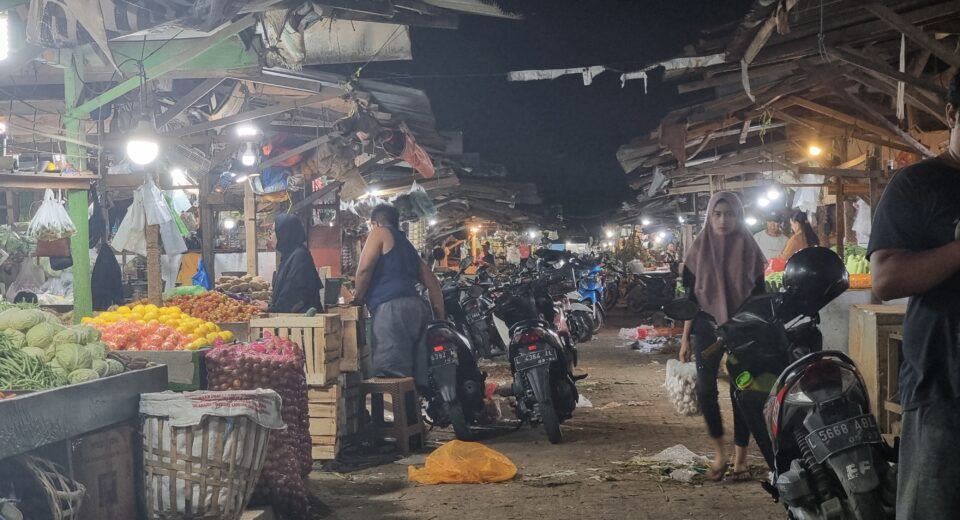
x,y
251,115
841,116
912,97
860,60
914,33
871,111
188,100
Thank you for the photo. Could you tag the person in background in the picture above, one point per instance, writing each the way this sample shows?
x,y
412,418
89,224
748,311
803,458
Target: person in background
x,y
723,268
915,252
771,240
487,258
672,259
386,282
448,248
296,283
803,235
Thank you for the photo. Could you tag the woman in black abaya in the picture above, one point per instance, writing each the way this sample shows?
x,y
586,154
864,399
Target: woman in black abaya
x,y
296,284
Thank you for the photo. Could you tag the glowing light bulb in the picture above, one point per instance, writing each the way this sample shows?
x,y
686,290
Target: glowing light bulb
x,y
814,150
763,202
751,221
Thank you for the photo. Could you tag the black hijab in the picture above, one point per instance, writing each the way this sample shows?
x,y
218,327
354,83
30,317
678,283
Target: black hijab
x,y
296,284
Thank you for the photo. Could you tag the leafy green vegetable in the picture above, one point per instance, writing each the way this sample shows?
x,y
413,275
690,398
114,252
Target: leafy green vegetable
x,y
17,338
82,375
41,335
72,357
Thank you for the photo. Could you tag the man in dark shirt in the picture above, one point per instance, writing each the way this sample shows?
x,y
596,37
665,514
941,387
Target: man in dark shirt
x,y
915,252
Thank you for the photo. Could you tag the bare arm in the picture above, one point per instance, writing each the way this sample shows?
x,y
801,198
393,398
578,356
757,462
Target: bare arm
x,y
899,273
428,279
685,354
368,262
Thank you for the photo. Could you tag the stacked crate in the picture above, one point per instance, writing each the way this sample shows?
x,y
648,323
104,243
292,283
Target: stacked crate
x,y
335,408
320,336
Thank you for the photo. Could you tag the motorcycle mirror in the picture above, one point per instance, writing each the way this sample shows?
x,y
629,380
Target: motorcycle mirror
x,y
681,309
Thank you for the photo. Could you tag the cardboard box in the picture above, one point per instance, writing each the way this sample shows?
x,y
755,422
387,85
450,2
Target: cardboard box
x,y
353,338
103,462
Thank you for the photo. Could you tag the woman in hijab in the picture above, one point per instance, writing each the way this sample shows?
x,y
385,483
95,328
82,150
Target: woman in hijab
x,y
803,235
296,284
723,268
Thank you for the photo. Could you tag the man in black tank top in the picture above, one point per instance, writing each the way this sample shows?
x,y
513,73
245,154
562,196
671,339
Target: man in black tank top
x,y
387,276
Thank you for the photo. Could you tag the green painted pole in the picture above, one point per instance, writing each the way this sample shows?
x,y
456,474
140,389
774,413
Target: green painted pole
x,y
78,200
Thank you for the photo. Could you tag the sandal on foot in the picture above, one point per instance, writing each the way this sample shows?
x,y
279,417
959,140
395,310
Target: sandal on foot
x,y
741,476
716,475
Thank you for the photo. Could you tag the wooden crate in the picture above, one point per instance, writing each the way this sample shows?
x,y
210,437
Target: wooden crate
x,y
891,407
186,369
353,337
321,337
870,329
334,412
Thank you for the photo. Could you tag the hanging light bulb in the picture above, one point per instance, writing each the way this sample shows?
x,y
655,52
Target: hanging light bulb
x,y
229,223
432,222
142,147
814,150
249,156
247,130
609,234
681,219
532,233
773,193
763,202
751,221
645,222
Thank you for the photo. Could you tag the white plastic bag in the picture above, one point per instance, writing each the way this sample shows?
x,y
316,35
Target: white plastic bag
x,y
51,221
861,224
30,279
681,385
131,235
154,206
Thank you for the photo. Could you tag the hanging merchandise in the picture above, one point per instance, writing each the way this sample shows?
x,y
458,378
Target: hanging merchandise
x,y
271,180
51,221
181,227
807,198
130,235
159,213
201,279
861,223
29,279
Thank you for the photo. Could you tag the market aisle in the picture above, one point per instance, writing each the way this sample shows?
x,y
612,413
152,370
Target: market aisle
x,y
630,416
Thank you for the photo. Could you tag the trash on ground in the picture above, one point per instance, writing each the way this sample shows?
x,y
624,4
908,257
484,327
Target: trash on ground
x,y
683,475
665,465
458,462
650,346
639,403
583,402
611,404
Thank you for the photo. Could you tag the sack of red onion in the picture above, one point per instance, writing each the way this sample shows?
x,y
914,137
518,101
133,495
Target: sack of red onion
x,y
277,364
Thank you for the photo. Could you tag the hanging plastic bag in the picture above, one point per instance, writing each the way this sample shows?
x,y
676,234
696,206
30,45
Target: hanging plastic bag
x,y
681,385
29,279
51,221
154,205
200,279
458,462
861,224
131,235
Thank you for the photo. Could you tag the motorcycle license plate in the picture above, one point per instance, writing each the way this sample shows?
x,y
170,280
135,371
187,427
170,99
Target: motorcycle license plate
x,y
534,359
474,316
843,435
447,356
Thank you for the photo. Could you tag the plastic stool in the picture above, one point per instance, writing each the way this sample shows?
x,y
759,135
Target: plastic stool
x,y
407,427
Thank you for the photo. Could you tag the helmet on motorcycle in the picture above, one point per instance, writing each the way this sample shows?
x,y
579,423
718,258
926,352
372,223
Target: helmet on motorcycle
x,y
813,278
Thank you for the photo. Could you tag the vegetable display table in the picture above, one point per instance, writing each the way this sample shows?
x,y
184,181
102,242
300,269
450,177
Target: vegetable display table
x,y
37,419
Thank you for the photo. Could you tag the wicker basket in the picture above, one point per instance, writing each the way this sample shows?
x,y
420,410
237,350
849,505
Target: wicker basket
x,y
49,494
202,471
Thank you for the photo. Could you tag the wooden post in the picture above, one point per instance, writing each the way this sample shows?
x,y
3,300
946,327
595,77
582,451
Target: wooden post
x,y
841,218
154,281
208,222
11,210
874,201
250,226
78,200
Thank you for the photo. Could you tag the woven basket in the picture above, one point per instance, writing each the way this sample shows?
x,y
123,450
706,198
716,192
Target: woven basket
x,y
62,495
207,471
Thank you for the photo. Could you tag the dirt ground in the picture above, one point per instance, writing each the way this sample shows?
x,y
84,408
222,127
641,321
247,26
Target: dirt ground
x,y
579,478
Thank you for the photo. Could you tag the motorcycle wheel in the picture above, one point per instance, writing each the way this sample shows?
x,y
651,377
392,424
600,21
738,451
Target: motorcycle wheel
x,y
598,319
551,423
864,506
611,295
459,421
481,339
583,325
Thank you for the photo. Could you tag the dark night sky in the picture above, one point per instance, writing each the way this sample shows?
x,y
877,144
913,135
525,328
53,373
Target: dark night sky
x,y
560,134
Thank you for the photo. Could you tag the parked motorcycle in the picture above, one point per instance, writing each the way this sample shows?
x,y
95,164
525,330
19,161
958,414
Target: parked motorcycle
x,y
456,382
808,409
650,292
540,360
464,305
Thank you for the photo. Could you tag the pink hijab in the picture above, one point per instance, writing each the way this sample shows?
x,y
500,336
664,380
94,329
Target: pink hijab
x,y
726,267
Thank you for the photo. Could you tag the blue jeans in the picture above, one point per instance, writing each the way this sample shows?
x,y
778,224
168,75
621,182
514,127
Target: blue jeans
x,y
928,476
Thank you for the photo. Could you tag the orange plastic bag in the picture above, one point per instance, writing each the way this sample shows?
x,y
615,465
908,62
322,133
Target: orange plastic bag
x,y
458,462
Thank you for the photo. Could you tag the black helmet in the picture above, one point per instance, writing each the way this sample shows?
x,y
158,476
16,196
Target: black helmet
x,y
813,278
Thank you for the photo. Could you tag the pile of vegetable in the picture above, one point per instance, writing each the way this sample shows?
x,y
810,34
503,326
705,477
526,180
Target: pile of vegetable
x,y
857,264
214,306
277,364
148,327
39,353
253,286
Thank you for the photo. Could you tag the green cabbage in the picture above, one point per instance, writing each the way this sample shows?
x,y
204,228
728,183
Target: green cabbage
x,y
97,350
35,352
57,369
17,338
24,319
41,335
101,367
72,357
82,375
5,317
114,367
70,335
92,333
